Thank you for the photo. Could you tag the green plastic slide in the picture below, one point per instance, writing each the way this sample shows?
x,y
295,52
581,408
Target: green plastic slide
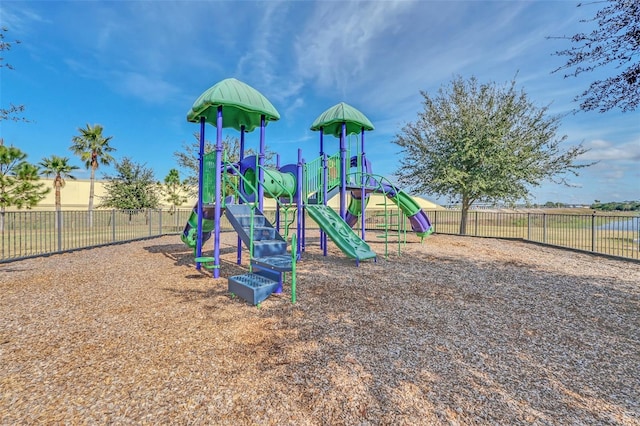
x,y
407,204
340,232
190,235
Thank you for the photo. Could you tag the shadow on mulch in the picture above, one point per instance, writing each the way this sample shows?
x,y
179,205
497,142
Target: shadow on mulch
x,y
190,294
181,255
5,270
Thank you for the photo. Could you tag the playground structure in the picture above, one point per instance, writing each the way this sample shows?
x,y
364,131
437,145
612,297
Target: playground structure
x,y
237,187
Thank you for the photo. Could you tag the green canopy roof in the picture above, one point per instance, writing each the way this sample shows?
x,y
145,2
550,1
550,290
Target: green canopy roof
x,y
242,105
331,120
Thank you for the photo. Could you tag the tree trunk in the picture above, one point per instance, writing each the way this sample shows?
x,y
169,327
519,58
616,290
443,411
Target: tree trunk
x,y
91,184
466,204
58,184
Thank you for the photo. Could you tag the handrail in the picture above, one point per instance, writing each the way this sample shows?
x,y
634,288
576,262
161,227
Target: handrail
x,y
313,181
380,181
236,189
333,181
294,259
285,206
313,173
226,181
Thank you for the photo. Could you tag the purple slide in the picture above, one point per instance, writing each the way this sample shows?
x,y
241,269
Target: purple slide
x,y
419,220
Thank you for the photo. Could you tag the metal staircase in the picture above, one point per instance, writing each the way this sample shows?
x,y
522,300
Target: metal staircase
x,y
269,260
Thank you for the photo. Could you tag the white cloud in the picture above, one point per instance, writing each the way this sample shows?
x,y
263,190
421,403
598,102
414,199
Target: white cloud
x,y
336,43
607,150
151,89
297,104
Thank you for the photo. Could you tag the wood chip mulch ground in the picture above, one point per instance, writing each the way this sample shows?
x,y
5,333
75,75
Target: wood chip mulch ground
x,y
454,331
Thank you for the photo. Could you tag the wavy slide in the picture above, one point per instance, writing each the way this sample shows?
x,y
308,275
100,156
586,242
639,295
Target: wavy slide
x,y
420,223
190,233
340,232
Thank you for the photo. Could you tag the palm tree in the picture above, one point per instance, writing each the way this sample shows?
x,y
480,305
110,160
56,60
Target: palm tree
x,y
93,149
60,168
19,181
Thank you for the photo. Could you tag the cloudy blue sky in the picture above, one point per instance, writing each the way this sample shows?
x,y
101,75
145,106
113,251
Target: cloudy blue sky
x,y
136,67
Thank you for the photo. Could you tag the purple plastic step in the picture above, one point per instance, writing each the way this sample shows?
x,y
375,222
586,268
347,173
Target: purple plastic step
x,y
261,233
279,262
252,287
245,220
265,248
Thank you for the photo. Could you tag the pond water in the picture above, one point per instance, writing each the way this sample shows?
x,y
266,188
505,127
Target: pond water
x,y
632,224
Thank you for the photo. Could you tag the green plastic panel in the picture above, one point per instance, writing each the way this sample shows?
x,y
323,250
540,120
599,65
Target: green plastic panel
x,y
209,178
331,120
242,105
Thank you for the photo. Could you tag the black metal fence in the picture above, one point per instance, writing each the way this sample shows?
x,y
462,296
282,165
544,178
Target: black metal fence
x,y
614,235
32,233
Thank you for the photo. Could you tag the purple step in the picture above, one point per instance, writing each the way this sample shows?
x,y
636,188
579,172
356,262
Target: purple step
x,y
252,288
245,220
266,248
278,262
261,233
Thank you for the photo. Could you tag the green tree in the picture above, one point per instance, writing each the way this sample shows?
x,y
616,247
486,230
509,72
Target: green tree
x,y
613,45
188,158
12,112
60,169
93,149
175,190
480,142
133,187
20,184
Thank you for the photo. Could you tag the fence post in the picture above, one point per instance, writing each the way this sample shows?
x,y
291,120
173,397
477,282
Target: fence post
x,y
638,229
160,222
593,231
150,227
528,225
113,225
544,228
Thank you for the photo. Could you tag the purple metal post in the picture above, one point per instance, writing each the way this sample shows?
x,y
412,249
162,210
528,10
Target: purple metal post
x,y
261,165
200,198
217,210
278,204
299,198
323,240
363,197
343,172
241,155
324,181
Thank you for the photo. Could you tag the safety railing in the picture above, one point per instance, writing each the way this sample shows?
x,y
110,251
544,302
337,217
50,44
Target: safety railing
x,y
333,170
613,235
33,233
313,172
313,177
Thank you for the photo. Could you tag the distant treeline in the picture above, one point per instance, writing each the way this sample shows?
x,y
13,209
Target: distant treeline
x,y
624,206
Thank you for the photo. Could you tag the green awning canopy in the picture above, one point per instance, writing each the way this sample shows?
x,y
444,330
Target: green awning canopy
x,y
331,120
242,105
